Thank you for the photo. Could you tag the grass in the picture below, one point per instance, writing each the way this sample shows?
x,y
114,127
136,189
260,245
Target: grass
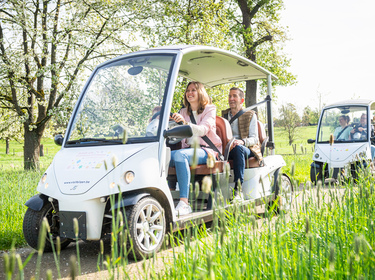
x,y
17,185
330,234
302,158
14,160
16,188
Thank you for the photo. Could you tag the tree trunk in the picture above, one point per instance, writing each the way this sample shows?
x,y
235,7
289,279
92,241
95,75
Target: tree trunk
x,y
31,149
251,93
41,151
7,146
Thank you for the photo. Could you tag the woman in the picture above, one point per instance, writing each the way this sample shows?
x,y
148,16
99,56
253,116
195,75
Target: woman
x,y
343,131
197,103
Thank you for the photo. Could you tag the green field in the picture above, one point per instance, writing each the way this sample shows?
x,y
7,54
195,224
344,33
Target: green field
x,y
17,186
330,234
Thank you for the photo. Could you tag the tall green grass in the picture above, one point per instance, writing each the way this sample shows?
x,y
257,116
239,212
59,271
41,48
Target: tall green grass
x,y
16,187
301,157
329,235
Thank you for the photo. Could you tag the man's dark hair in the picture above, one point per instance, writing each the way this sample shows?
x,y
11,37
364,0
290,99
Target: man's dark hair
x,y
242,94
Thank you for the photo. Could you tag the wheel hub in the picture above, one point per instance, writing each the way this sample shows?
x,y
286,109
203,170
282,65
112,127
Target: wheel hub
x,y
146,227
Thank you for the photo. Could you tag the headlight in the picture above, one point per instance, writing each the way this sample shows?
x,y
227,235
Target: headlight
x,y
129,176
316,155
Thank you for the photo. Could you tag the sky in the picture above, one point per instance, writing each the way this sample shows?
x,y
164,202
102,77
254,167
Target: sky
x,y
332,51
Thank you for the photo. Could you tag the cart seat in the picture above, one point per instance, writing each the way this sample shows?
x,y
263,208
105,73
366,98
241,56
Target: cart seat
x,y
224,131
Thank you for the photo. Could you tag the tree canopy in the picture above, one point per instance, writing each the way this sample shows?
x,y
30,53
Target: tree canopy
x,y
48,47
45,46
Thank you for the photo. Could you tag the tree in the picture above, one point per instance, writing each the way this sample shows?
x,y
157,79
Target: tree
x,y
257,23
310,116
244,26
192,22
9,128
45,45
290,120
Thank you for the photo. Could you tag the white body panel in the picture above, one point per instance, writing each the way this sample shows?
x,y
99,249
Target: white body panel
x,y
78,178
83,174
252,186
340,154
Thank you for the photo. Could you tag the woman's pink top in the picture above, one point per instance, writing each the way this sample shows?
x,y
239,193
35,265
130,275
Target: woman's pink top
x,y
206,119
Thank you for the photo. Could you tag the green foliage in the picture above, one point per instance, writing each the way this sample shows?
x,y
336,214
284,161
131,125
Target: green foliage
x,y
310,116
46,49
329,235
16,188
290,120
199,22
256,32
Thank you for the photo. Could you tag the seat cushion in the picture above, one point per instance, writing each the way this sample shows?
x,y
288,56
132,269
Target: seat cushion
x,y
202,169
252,162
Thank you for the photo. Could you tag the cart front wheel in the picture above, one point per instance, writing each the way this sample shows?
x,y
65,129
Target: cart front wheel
x,y
315,174
32,224
147,226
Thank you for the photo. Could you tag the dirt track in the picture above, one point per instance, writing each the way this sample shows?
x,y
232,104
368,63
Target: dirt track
x,y
88,260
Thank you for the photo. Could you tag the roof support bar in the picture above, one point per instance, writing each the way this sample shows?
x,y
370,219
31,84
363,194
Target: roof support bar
x,y
271,143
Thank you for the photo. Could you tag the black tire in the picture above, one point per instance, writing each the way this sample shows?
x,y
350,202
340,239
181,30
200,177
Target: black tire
x,y
32,224
147,227
284,195
316,174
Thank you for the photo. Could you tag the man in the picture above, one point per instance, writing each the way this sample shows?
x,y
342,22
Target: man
x,y
245,130
359,132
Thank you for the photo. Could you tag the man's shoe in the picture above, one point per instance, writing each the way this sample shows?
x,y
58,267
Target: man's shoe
x,y
238,197
183,209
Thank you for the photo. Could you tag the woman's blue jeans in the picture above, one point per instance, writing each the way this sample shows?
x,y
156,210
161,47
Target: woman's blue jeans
x,y
182,160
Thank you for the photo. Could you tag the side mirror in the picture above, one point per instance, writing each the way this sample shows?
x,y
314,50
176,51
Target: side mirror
x,y
180,131
311,141
59,139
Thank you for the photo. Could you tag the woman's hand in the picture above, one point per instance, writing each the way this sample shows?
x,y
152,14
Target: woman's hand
x,y
178,118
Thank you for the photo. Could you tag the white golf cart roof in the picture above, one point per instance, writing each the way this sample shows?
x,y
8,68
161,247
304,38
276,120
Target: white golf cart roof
x,y
353,102
210,66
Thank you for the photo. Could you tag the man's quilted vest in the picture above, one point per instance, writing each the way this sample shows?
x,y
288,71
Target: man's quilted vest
x,y
243,127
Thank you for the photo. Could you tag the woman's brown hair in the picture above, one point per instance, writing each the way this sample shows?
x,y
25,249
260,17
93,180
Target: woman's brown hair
x,y
203,98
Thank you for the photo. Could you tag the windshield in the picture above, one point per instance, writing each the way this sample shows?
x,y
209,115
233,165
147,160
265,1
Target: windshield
x,y
122,102
347,124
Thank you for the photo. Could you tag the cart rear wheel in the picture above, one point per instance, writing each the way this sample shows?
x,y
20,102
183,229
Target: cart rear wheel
x,y
32,223
147,226
284,198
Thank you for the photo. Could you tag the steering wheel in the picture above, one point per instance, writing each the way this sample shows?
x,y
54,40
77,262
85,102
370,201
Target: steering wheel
x,y
173,123
180,123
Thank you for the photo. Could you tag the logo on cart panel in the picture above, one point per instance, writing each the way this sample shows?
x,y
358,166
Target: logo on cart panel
x,y
88,160
75,184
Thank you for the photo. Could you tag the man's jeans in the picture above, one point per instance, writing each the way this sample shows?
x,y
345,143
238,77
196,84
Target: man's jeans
x,y
239,155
